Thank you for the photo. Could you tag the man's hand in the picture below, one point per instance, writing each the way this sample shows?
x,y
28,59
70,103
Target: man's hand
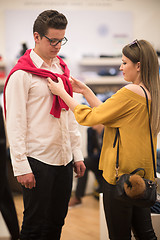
x,y
27,180
79,168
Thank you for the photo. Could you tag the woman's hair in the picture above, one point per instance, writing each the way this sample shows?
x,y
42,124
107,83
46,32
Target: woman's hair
x,y
143,52
49,19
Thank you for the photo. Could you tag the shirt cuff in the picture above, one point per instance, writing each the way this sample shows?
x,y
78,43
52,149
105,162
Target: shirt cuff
x,y
21,167
78,156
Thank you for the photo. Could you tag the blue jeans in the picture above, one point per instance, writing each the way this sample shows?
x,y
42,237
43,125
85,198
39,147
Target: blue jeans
x,y
46,205
121,218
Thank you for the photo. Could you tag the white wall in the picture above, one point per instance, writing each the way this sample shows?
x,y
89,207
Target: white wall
x,y
146,17
108,32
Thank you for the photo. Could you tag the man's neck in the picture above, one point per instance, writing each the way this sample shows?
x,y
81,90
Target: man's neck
x,y
47,61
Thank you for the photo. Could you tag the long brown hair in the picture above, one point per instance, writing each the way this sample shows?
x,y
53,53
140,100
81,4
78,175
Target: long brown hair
x,y
142,51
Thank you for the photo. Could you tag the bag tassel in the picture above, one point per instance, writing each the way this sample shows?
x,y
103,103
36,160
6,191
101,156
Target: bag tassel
x,y
135,186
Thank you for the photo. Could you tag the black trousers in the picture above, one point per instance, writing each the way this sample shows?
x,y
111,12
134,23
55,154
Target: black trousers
x,y
46,205
91,165
121,218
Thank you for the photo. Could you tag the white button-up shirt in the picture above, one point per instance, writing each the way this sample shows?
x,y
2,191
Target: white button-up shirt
x,y
32,130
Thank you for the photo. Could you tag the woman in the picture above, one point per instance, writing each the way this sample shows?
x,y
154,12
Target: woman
x,y
126,110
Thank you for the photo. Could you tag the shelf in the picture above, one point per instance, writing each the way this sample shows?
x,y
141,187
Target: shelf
x,y
109,80
2,81
100,61
2,64
91,61
90,67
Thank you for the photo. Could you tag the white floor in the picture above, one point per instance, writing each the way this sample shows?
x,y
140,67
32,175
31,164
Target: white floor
x,y
4,233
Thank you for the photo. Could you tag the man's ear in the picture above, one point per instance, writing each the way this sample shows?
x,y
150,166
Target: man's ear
x,y
138,66
36,37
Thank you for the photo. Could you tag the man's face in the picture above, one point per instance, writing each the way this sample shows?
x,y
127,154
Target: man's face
x,y
43,45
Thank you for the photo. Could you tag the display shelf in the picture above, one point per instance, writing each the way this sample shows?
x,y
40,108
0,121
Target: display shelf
x,y
100,61
2,71
115,61
2,81
105,80
102,74
2,63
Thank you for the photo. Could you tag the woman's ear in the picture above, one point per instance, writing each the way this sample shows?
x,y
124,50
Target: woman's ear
x,y
138,67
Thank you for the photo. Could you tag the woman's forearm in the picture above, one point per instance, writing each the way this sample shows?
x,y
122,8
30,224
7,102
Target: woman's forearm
x,y
58,89
70,101
80,87
88,94
91,97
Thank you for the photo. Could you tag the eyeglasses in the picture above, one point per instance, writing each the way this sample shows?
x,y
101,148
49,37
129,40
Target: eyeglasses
x,y
54,42
135,42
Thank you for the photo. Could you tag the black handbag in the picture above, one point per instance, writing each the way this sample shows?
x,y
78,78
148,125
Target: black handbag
x,y
133,188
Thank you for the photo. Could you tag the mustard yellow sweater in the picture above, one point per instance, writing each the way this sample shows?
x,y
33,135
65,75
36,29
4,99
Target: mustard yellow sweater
x,y
127,111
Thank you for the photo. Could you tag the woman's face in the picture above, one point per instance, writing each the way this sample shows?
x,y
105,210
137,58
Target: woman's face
x,y
131,71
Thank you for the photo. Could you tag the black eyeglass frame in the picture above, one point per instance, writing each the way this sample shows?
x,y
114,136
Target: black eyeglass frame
x,y
58,41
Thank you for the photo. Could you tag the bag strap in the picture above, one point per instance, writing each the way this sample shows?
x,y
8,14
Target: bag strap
x,y
137,170
117,157
114,144
152,148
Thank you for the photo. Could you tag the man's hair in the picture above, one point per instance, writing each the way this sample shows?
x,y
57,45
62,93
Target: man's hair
x,y
49,19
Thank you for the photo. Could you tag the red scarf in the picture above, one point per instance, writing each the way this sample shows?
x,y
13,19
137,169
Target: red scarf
x,y
25,63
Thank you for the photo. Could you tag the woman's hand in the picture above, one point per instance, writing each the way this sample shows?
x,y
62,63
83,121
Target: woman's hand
x,y
78,86
56,87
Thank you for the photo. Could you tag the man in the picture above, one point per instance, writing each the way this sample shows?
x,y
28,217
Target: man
x,y
42,131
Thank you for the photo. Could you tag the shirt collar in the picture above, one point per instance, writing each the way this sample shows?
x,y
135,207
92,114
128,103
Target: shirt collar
x,y
38,61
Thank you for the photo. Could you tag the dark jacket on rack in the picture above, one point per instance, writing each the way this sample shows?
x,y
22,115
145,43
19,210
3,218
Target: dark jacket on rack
x,y
7,207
